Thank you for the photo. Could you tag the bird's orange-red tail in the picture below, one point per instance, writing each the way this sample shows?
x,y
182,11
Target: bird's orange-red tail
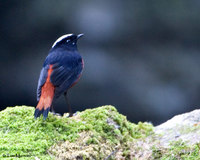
x,y
46,98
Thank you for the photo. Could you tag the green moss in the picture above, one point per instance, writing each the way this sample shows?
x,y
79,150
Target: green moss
x,y
97,133
177,150
105,130
106,122
23,136
181,150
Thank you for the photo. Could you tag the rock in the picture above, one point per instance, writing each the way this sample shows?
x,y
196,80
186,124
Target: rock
x,y
99,133
178,138
185,127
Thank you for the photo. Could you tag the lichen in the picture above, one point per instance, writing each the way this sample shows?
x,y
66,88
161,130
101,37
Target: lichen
x,y
21,136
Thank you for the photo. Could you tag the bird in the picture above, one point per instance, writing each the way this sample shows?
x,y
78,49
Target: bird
x,y
61,70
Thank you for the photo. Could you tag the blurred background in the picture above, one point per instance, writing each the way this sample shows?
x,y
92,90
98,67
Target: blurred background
x,y
140,56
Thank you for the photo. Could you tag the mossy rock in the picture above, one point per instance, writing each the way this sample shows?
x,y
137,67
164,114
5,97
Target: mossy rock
x,y
99,133
92,134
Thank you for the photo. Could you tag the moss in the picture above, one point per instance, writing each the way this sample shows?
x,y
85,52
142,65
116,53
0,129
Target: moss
x,y
22,136
177,150
108,123
104,132
99,133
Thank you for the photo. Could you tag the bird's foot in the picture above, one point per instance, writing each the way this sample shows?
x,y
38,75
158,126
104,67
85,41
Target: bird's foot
x,y
70,114
55,114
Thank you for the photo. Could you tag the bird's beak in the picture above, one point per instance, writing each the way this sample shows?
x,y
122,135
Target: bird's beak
x,y
80,35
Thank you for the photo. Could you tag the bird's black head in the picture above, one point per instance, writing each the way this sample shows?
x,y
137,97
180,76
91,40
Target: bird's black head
x,y
67,40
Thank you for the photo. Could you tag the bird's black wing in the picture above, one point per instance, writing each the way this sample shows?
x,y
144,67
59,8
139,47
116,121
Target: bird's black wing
x,y
42,80
63,76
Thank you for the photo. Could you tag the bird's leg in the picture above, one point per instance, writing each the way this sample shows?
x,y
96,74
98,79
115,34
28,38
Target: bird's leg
x,y
68,104
52,110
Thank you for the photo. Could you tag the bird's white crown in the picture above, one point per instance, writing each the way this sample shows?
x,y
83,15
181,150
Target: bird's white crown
x,y
61,38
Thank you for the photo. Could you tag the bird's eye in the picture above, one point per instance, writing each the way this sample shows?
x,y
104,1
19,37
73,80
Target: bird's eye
x,y
68,40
